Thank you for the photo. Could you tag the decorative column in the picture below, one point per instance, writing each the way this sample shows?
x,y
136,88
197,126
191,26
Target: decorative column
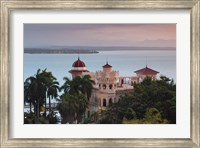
x,y
107,86
99,102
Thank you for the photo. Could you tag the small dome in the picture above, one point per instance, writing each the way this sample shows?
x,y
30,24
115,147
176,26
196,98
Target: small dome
x,y
78,63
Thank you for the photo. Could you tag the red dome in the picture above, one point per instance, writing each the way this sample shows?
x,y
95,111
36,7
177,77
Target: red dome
x,y
78,63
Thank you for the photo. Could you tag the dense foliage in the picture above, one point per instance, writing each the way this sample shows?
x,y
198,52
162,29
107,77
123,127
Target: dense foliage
x,y
37,89
75,99
152,101
73,102
72,107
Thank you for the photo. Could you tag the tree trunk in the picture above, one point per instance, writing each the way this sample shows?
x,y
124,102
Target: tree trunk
x,y
79,119
35,113
30,106
38,110
49,104
34,109
45,103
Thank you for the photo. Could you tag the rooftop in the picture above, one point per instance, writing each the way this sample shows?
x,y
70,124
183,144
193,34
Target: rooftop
x,y
107,65
146,71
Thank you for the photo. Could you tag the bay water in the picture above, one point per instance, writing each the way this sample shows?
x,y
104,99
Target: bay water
x,y
126,62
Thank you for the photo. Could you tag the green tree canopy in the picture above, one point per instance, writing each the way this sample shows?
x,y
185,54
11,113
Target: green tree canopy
x,y
35,90
72,107
159,94
76,98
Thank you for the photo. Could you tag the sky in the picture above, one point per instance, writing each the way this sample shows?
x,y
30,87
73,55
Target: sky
x,y
132,35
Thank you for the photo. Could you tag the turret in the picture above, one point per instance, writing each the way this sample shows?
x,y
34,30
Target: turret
x,y
78,67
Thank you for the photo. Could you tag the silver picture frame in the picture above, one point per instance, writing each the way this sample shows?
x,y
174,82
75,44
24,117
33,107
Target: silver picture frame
x,y
8,6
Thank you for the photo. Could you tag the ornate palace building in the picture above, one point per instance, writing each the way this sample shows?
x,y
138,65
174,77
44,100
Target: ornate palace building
x,y
109,85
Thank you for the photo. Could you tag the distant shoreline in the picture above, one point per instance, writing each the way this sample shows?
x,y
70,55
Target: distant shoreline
x,y
88,50
58,51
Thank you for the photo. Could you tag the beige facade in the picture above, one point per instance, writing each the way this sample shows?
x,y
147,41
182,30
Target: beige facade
x,y
109,85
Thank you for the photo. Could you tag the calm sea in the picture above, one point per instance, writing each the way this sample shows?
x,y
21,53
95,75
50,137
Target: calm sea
x,y
126,62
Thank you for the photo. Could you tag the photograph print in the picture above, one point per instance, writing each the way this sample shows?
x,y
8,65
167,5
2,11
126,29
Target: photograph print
x,y
99,73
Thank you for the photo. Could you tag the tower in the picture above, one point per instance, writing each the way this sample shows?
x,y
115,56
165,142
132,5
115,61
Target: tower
x,y
78,67
107,68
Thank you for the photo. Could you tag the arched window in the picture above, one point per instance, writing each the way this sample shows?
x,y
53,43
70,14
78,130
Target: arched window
x,y
110,86
122,81
110,101
104,86
104,102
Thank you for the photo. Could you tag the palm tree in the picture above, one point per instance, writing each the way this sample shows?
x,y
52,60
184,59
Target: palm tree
x,y
82,101
80,88
40,91
52,91
51,87
35,89
71,86
72,107
78,84
87,85
67,108
27,97
66,86
31,86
